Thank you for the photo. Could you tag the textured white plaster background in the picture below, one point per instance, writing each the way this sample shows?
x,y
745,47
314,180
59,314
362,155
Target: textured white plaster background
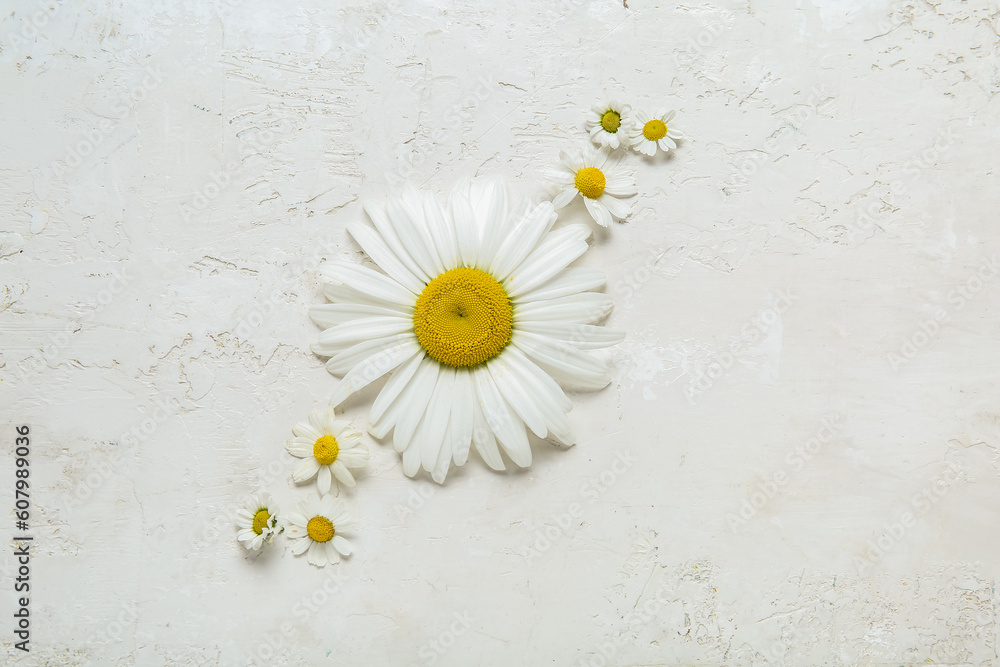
x,y
843,150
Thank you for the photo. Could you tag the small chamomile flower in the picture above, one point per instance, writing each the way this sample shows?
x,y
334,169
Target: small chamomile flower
x,y
609,123
317,528
257,521
330,446
649,132
599,179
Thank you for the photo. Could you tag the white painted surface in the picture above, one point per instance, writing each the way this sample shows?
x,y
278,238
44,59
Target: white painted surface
x,y
841,153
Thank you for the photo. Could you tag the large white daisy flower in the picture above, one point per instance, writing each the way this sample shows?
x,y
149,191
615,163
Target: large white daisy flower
x,y
317,528
649,132
257,521
330,446
608,123
478,315
597,177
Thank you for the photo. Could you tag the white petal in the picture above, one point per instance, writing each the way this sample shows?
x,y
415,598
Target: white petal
x,y
391,237
343,475
439,471
666,144
335,426
560,176
298,548
621,185
297,449
508,428
583,336
324,479
598,211
565,197
373,244
331,314
411,461
333,340
342,518
482,436
305,470
574,161
600,159
306,431
342,294
347,358
332,555
462,415
393,386
413,201
551,256
543,392
431,433
413,236
414,402
517,396
522,240
612,163
354,457
571,281
488,196
323,505
317,419
332,507
568,365
374,367
442,234
530,374
496,223
317,554
365,280
616,207
346,434
580,308
342,545
466,228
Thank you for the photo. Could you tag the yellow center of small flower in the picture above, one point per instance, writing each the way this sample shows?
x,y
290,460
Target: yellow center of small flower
x,y
463,317
320,529
654,130
325,449
611,121
260,520
590,182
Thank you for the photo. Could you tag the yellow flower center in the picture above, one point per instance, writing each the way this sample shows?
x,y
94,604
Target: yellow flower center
x,y
463,317
325,449
654,130
260,520
590,182
611,121
320,529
